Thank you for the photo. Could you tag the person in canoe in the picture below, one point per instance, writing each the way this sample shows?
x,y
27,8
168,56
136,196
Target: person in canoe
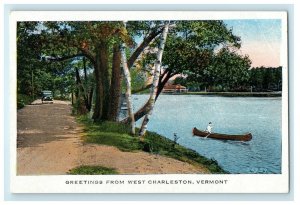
x,y
209,129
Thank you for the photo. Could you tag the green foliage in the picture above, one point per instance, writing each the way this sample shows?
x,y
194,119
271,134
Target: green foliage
x,y
228,70
138,78
117,134
206,34
225,71
48,53
110,133
34,74
23,100
195,50
180,80
190,46
92,170
266,79
164,146
238,78
27,57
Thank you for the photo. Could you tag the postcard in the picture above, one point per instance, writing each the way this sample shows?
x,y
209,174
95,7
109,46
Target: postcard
x,y
149,102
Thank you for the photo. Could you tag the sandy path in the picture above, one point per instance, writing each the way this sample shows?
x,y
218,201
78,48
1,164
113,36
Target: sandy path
x,y
49,142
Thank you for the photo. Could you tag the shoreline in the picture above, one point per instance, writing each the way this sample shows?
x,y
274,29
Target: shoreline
x,y
231,94
164,154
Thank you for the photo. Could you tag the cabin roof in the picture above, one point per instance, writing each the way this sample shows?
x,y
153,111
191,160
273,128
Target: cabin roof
x,y
171,86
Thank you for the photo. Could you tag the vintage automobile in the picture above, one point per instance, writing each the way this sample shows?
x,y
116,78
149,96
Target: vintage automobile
x,y
47,96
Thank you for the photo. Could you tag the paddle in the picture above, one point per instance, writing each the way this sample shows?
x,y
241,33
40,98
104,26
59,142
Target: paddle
x,y
207,135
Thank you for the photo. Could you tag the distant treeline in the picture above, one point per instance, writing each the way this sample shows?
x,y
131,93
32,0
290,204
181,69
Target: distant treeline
x,y
266,79
257,79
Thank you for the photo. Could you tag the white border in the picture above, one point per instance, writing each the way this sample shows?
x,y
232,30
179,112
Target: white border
x,y
270,183
142,15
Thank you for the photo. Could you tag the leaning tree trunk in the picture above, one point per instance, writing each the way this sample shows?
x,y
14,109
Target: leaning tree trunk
x,y
128,87
155,81
163,79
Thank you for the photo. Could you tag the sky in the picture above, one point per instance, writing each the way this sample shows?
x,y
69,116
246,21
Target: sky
x,y
261,40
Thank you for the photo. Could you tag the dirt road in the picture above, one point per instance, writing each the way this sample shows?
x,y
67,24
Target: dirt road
x,y
49,143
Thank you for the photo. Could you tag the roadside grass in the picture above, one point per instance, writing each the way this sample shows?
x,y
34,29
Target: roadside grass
x,y
92,170
23,100
117,134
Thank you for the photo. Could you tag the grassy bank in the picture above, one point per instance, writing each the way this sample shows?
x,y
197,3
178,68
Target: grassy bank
x,y
234,94
92,170
116,134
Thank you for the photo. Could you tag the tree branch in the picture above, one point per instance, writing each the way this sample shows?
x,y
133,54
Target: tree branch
x,y
89,55
163,83
141,89
161,77
59,59
143,45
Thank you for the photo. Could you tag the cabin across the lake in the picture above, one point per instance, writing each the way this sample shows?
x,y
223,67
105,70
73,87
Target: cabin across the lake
x,y
171,88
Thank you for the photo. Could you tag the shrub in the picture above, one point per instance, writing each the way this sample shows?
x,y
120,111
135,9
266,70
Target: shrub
x,y
23,100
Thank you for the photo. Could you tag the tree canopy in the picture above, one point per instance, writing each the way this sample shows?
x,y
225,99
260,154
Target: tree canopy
x,y
84,58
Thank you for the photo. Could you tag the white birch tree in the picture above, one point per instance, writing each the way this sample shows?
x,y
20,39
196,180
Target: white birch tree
x,y
128,85
156,74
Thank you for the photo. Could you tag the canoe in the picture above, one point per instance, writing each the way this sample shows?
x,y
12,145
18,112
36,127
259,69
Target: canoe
x,y
242,137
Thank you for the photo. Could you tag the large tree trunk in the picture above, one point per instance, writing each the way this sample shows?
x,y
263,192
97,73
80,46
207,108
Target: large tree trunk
x,y
98,89
115,88
156,75
102,109
128,87
83,93
90,98
85,71
81,99
98,92
105,78
88,94
88,101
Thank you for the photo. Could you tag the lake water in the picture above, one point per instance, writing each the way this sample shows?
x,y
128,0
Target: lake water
x,y
231,115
